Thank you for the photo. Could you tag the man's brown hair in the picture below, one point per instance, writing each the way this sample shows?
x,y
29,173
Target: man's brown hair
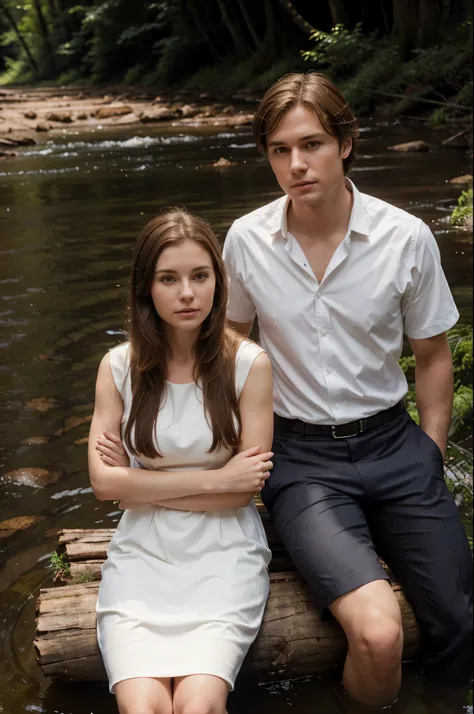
x,y
314,91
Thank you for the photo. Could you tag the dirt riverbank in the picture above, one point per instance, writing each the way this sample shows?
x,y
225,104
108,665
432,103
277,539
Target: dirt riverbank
x,y
28,113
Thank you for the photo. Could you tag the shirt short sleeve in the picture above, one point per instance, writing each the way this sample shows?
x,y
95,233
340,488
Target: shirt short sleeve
x,y
428,306
240,307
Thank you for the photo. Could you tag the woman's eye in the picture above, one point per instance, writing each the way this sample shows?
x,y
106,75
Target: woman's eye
x,y
201,276
167,279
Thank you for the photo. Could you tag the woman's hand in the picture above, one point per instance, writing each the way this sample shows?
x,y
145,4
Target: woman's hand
x,y
111,451
246,472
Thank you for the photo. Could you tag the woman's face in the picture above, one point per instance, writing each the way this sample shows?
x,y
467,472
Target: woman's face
x,y
183,286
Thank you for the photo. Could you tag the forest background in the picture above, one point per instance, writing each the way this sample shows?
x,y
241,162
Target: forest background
x,y
390,57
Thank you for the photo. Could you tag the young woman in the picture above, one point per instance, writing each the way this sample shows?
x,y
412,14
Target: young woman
x,y
181,433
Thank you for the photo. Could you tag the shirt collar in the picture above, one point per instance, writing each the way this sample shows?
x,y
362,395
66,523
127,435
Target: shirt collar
x,y
358,222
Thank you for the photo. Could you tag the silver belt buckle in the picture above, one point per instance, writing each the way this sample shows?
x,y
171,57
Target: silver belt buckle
x,y
347,436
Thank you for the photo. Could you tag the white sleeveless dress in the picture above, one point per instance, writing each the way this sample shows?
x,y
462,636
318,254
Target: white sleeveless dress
x,y
182,592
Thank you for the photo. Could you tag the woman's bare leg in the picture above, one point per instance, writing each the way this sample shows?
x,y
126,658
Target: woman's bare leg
x,y
200,694
144,695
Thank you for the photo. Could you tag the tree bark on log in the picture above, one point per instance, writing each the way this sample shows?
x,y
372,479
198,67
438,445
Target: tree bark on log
x,y
293,640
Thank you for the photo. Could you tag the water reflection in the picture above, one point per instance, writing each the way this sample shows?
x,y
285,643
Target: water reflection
x,y
71,209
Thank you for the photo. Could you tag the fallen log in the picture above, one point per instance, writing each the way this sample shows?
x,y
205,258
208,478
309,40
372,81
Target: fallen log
x,y
293,641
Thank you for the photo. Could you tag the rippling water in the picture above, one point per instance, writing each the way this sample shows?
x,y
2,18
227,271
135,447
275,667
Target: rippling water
x,y
70,211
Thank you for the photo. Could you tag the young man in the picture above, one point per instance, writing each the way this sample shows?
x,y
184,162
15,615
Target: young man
x,y
335,278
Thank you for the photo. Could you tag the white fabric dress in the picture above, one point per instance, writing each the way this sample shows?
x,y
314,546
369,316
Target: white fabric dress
x,y
182,592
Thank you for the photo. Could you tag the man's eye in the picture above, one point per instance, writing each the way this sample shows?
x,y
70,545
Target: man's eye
x,y
313,144
280,150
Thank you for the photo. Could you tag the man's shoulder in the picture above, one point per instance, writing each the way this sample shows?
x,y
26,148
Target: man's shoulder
x,y
262,218
379,210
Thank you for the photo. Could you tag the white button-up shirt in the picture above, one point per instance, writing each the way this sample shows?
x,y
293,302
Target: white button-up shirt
x,y
335,345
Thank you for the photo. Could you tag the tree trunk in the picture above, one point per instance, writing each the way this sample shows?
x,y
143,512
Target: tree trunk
x,y
338,13
241,46
249,24
269,41
429,26
293,640
405,26
196,19
296,17
45,34
20,37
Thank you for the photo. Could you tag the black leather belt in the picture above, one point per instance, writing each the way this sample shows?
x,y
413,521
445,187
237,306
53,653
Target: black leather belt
x,y
339,431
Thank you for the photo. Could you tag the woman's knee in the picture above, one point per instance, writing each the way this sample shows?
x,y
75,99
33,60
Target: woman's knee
x,y
144,707
147,697
198,707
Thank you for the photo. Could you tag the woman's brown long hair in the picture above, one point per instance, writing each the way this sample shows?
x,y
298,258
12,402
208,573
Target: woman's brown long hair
x,y
214,350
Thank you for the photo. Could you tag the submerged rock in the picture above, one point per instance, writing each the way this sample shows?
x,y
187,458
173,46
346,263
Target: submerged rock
x,y
17,141
42,404
464,180
34,440
60,117
156,115
223,163
13,525
33,477
411,146
42,126
107,112
30,115
242,120
72,422
187,111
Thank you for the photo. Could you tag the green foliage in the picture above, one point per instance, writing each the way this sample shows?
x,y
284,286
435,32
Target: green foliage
x,y
60,565
437,118
341,50
463,210
241,75
369,69
86,577
379,70
460,343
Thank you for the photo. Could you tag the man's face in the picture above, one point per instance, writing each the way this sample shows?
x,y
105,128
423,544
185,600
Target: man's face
x,y
306,160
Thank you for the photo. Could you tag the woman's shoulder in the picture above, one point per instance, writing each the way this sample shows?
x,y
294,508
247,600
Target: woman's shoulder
x,y
119,360
249,357
248,350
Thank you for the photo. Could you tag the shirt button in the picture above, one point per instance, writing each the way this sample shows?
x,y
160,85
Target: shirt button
x,y
324,333
329,370
337,406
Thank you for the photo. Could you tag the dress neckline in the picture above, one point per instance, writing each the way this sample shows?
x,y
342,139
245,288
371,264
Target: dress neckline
x,y
179,384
